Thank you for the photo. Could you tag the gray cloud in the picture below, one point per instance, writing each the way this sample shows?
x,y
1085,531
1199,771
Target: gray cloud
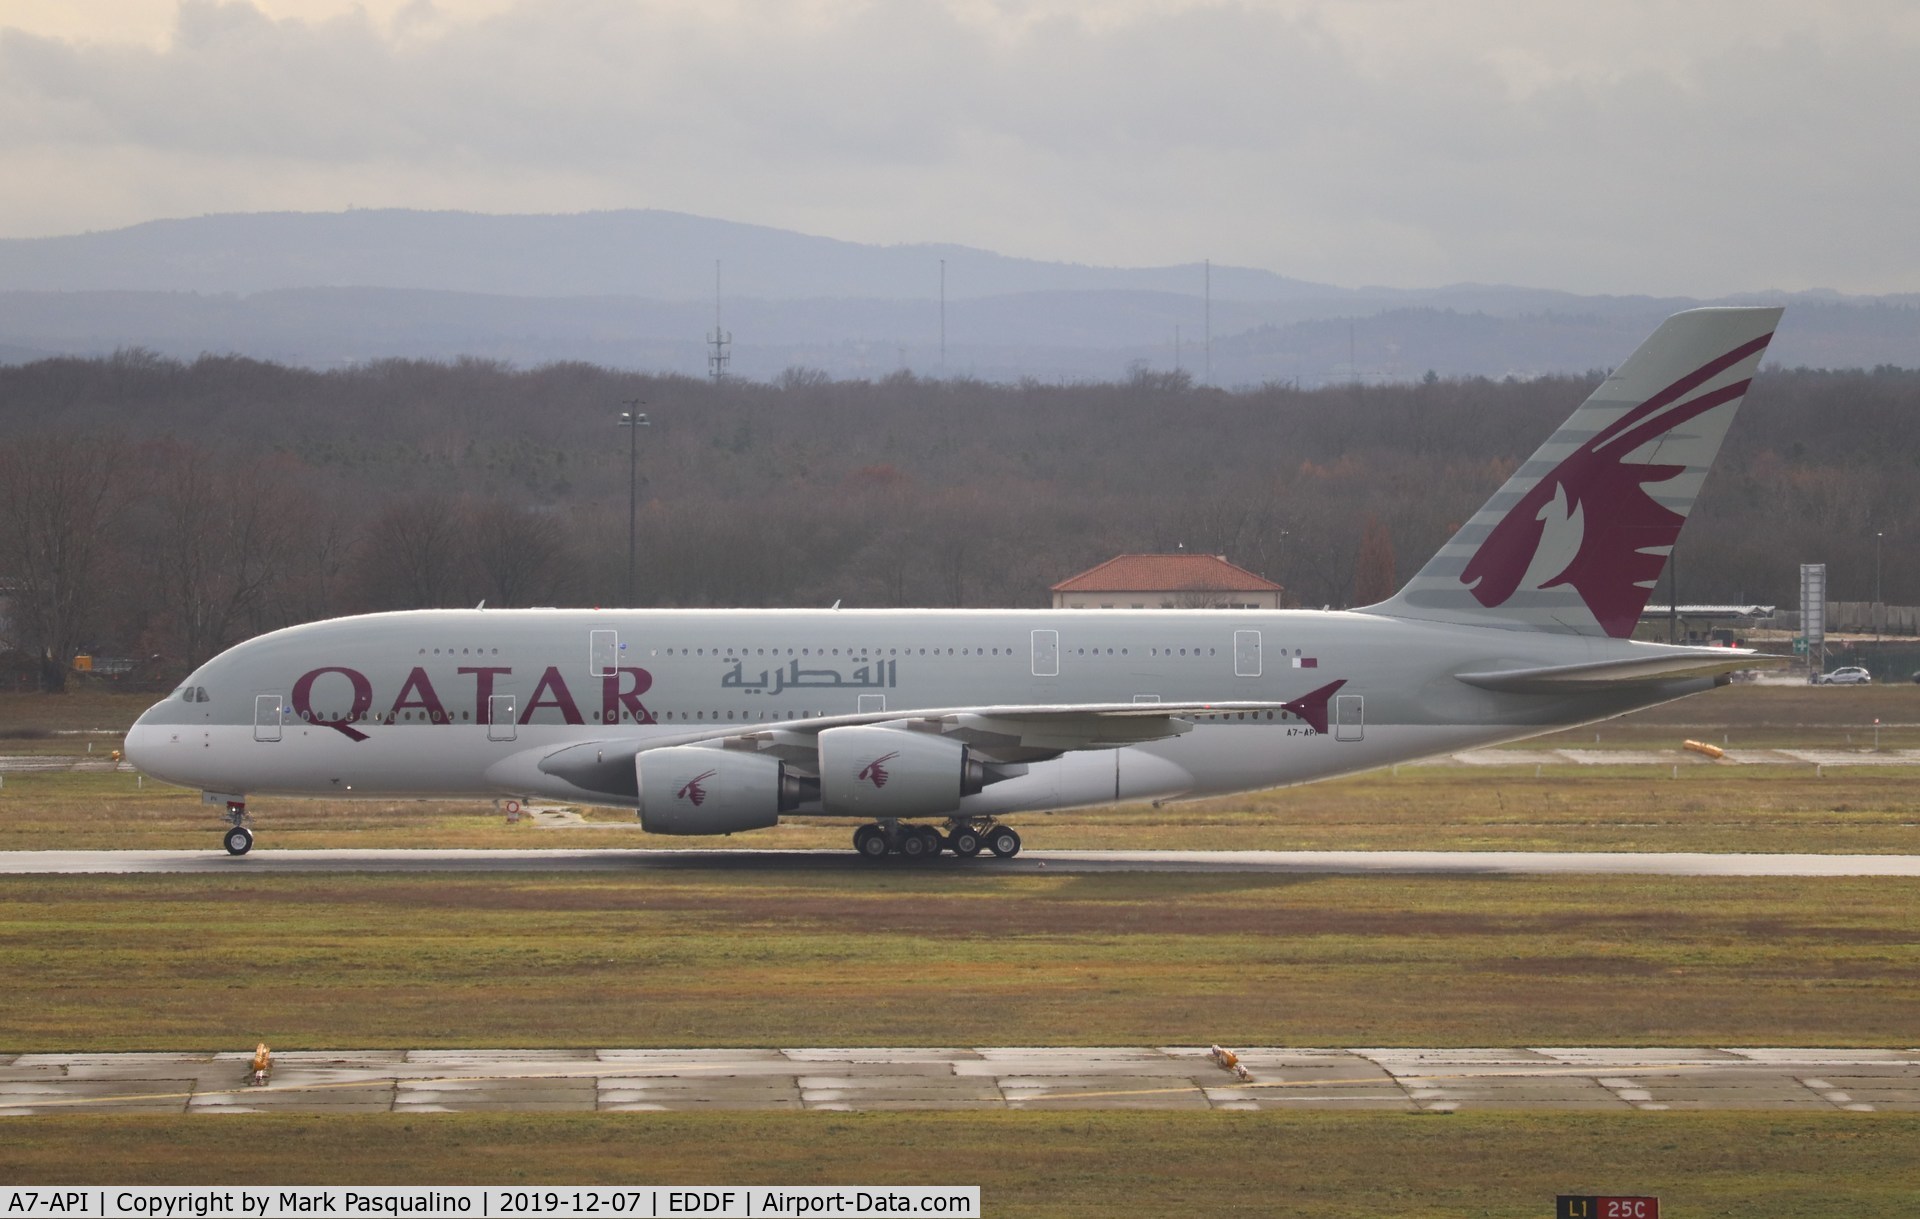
x,y
1719,147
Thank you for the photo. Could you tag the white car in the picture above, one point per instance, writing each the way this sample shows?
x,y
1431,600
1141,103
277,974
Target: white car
x,y
1851,675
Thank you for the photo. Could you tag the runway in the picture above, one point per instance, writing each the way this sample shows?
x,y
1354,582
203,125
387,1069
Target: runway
x,y
1006,1077
1447,863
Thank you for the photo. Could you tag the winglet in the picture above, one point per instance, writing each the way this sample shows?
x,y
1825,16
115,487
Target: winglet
x,y
1313,707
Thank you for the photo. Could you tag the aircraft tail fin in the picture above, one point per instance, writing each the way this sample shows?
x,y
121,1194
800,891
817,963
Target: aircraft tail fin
x,y
1577,538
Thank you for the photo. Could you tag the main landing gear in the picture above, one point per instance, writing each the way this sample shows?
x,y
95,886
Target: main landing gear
x,y
239,839
965,837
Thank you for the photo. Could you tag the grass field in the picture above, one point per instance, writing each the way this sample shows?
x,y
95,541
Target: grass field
x,y
1564,807
894,957
1755,1166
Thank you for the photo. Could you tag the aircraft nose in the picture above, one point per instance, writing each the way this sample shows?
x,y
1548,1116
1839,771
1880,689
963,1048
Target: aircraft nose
x,y
147,745
141,739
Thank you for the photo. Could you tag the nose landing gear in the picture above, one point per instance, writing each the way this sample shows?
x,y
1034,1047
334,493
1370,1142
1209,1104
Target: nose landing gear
x,y
239,839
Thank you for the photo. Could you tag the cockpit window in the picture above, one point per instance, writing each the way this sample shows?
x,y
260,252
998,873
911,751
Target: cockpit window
x,y
194,694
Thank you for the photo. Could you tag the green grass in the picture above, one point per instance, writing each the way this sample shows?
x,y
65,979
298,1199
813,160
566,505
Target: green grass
x,y
889,956
65,723
1763,717
1757,1166
1631,808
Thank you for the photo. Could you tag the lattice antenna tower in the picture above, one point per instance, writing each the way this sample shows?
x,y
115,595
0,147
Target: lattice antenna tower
x,y
720,342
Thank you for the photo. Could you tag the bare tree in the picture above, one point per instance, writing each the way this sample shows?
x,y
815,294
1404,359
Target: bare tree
x,y
413,556
217,541
518,554
60,498
1373,573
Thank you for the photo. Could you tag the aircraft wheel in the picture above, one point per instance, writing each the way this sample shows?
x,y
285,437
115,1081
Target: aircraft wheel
x,y
239,840
964,842
1003,842
870,841
913,844
936,842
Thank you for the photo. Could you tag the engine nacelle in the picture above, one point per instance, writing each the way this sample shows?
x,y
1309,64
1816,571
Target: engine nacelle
x,y
688,789
892,772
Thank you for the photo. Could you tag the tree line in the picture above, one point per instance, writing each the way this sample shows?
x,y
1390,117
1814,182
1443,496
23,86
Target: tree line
x,y
162,510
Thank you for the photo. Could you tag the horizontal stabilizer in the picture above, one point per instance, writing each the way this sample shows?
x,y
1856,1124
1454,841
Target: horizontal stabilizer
x,y
1626,671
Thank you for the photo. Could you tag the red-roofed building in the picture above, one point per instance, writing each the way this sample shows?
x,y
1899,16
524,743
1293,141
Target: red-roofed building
x,y
1167,581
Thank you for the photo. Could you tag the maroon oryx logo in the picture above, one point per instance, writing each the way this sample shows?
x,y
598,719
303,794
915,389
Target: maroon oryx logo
x,y
1615,534
876,770
693,791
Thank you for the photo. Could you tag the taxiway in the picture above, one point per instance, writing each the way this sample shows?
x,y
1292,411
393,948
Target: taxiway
x,y
1006,1077
1457,863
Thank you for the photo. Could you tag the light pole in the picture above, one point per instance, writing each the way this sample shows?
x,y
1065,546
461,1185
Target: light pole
x,y
633,420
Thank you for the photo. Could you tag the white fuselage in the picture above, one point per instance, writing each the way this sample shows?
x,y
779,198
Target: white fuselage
x,y
478,703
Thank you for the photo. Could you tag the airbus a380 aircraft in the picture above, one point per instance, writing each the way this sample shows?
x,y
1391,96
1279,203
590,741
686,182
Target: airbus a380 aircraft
x,y
714,722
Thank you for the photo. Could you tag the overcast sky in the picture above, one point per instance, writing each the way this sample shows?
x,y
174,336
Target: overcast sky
x,y
1693,148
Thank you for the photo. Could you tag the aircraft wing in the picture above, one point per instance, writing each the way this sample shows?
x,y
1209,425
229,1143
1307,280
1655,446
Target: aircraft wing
x,y
1008,735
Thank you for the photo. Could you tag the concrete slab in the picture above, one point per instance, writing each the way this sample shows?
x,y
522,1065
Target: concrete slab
x,y
1636,1056
482,1105
905,1104
883,1055
781,1057
51,1107
446,1057
1399,1104
784,1099
873,1078
697,1103
1826,1057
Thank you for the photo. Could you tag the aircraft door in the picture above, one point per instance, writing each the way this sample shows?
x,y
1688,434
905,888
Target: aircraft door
x,y
267,713
1046,653
1246,653
603,652
1349,717
501,715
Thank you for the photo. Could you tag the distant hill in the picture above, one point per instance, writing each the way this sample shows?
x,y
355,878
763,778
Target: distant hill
x,y
653,254
635,289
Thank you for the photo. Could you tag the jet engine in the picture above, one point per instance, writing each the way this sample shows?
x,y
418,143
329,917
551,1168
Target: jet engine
x,y
689,789
892,772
